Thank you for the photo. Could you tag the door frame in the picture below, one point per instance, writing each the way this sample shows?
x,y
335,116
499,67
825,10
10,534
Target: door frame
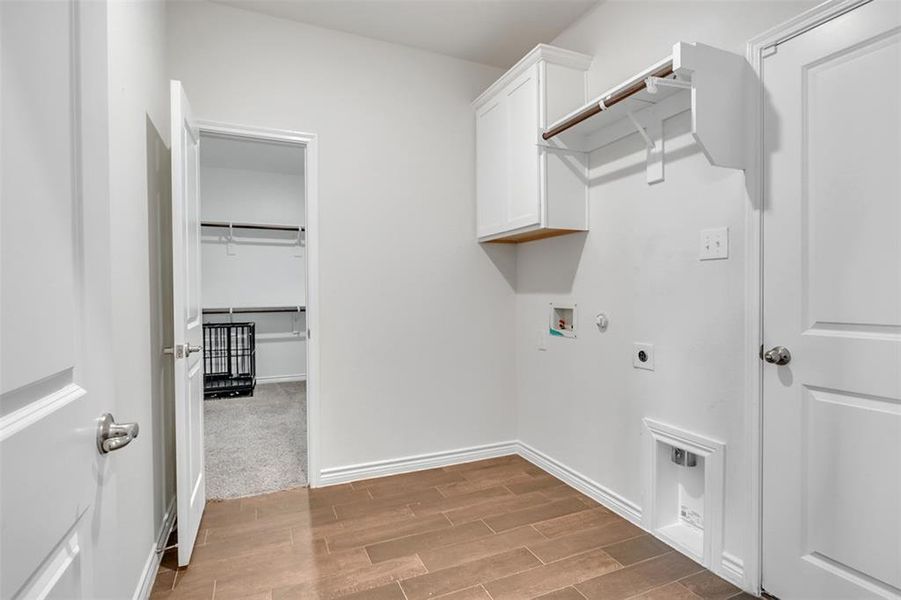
x,y
310,142
758,48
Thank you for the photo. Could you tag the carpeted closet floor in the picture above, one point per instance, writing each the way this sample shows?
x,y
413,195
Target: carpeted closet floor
x,y
256,444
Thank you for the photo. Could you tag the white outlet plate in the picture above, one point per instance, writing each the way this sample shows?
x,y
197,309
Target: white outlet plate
x,y
714,244
648,362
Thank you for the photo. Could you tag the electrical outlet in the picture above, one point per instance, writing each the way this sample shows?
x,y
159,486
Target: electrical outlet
x,y
714,244
643,356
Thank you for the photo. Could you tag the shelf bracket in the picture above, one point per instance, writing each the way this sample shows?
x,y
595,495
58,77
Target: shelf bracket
x,y
298,251
653,139
652,83
230,242
641,131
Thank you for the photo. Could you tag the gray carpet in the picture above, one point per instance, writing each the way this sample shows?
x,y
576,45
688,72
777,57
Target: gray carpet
x,y
258,444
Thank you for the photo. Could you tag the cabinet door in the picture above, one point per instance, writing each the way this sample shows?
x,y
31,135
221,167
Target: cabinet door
x,y
523,201
491,167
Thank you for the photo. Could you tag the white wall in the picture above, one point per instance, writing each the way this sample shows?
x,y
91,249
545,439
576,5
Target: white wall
x,y
139,128
416,319
252,267
251,196
581,402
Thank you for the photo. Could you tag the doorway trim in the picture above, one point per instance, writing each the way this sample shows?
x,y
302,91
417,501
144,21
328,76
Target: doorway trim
x,y
310,142
758,48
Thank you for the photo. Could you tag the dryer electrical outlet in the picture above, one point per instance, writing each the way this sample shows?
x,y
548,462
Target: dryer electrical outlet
x,y
643,356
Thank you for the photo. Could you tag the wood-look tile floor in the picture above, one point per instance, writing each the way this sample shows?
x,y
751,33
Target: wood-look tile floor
x,y
498,529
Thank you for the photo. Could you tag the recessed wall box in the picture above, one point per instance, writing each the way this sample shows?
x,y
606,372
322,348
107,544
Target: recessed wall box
x,y
684,491
562,320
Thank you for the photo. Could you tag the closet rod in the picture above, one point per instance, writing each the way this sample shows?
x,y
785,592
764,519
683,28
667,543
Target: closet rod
x,y
605,103
254,309
268,226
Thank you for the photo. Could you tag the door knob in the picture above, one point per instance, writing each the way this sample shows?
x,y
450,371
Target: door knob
x,y
112,436
778,355
189,349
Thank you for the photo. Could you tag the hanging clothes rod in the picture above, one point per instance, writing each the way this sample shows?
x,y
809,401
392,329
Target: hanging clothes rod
x,y
254,309
608,101
267,226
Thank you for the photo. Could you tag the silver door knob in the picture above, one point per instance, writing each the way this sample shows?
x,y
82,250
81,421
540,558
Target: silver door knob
x,y
778,355
189,349
112,436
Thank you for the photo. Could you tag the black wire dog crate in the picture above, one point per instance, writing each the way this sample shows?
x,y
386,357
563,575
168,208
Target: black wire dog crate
x,y
229,359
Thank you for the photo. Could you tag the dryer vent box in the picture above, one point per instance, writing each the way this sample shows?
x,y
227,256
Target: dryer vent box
x,y
562,320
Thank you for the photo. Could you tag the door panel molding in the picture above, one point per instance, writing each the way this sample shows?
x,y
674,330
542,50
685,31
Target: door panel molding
x,y
27,416
65,565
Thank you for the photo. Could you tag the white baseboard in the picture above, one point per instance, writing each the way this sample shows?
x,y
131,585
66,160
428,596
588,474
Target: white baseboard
x,y
594,490
409,464
152,566
621,506
731,567
281,378
733,570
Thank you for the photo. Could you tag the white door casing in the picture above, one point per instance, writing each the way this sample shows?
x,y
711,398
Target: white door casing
x,y
57,525
831,524
311,200
188,322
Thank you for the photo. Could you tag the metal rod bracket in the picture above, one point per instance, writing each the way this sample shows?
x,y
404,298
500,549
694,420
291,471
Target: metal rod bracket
x,y
652,83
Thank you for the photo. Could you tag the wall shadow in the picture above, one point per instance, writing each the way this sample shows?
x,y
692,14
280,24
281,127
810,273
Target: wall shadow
x,y
504,258
549,266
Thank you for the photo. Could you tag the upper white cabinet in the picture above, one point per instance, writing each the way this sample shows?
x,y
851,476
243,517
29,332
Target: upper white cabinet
x,y
526,190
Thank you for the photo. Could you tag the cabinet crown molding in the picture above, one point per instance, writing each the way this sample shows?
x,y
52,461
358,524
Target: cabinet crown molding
x,y
541,52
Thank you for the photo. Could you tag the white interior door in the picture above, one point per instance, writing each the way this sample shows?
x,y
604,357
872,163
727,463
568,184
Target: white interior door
x,y
832,296
56,379
188,322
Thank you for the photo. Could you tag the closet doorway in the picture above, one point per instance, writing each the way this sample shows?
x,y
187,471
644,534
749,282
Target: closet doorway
x,y
255,193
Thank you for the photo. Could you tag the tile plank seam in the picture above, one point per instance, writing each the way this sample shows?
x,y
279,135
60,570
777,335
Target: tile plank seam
x,y
382,513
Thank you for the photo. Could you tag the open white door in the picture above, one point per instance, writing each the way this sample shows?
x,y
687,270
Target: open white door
x,y
57,490
832,298
187,316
